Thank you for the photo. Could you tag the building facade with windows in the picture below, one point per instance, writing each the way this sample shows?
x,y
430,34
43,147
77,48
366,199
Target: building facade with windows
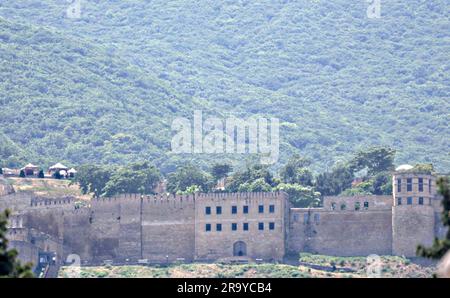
x,y
240,225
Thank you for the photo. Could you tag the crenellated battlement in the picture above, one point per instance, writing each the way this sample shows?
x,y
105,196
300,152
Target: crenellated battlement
x,y
240,195
148,199
189,197
40,202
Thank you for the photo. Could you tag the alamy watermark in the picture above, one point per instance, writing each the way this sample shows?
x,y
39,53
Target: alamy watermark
x,y
73,11
74,269
374,266
232,136
374,9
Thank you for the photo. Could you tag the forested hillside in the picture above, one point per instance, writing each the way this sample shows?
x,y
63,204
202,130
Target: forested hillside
x,y
105,87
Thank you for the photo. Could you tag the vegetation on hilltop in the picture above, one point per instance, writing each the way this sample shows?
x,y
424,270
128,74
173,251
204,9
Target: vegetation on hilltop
x,y
104,88
295,178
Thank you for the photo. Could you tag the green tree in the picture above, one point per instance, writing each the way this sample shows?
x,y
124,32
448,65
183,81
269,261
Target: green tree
x,y
1,170
300,196
248,176
93,178
138,178
186,176
374,159
10,266
364,188
41,174
57,175
424,168
333,183
258,185
382,183
296,171
190,190
219,171
440,246
22,174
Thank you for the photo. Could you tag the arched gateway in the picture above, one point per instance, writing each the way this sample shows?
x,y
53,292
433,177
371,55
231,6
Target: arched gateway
x,y
239,249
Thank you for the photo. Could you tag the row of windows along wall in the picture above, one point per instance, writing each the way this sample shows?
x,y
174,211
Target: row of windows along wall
x,y
413,201
244,227
409,184
234,209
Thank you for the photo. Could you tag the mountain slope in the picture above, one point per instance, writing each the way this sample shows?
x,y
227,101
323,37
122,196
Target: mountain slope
x,y
337,80
66,100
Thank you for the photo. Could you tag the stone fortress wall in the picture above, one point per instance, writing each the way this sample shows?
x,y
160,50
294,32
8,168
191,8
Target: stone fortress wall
x,y
207,227
345,226
250,224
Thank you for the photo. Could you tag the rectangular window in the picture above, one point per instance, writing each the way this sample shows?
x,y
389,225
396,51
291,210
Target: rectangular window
x,y
233,209
317,218
218,227
208,227
420,200
261,209
245,209
420,184
218,210
271,226
295,217
306,218
399,185
399,201
409,200
245,226
260,226
409,184
234,226
208,210
272,208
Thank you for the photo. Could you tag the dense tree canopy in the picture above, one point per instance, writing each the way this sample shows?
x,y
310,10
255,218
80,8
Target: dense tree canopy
x,y
140,177
375,160
219,171
187,176
105,88
296,171
252,177
335,181
300,196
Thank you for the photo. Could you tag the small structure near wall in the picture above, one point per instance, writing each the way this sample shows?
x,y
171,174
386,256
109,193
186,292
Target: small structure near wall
x,y
58,169
30,170
10,172
72,172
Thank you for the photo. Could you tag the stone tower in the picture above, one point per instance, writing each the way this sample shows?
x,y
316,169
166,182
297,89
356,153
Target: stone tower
x,y
413,210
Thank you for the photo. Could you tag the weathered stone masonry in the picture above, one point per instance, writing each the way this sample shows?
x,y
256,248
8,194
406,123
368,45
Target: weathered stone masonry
x,y
205,227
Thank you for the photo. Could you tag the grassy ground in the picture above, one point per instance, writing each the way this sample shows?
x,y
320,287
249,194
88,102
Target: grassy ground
x,y
391,267
44,187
